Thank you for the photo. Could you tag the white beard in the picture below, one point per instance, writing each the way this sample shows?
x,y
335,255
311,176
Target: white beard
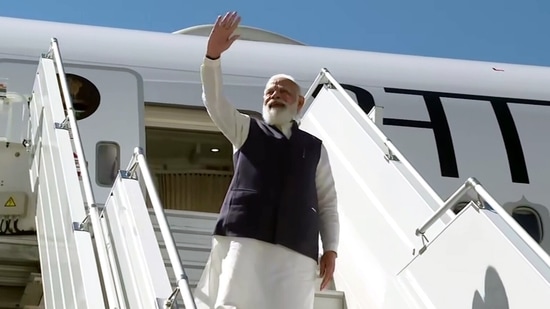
x,y
279,115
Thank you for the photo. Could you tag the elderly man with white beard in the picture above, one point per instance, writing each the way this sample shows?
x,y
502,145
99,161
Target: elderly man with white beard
x,y
282,197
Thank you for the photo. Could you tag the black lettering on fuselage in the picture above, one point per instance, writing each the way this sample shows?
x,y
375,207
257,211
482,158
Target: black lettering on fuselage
x,y
440,126
365,100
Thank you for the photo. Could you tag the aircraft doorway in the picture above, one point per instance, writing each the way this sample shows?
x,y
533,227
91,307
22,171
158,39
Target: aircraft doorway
x,y
192,168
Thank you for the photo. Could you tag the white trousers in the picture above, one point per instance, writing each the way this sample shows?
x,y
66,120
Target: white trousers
x,y
244,273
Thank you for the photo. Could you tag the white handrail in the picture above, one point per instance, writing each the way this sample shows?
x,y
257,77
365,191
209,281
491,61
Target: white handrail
x,y
325,76
7,100
471,184
475,185
450,202
99,236
4,101
139,161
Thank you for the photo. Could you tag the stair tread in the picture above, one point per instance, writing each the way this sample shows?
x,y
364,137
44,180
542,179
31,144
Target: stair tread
x,y
184,245
331,293
186,229
23,240
187,264
183,225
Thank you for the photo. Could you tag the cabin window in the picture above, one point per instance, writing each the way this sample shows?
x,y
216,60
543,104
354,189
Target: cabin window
x,y
84,95
108,163
530,220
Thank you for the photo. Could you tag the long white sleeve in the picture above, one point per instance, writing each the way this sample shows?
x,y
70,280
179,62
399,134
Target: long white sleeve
x,y
233,124
327,199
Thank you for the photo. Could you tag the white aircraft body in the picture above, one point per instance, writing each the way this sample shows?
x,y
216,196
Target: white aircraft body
x,y
452,119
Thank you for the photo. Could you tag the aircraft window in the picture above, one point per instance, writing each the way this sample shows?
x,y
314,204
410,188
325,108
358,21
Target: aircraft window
x,y
530,220
84,94
108,163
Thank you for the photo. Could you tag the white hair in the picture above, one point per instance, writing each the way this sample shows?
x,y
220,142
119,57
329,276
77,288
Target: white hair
x,y
284,76
279,116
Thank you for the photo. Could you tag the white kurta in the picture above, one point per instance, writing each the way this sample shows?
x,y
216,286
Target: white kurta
x,y
244,273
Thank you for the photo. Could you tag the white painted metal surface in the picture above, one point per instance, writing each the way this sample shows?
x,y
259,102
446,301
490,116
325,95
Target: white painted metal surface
x,y
15,190
477,263
379,208
142,278
166,73
15,197
67,258
67,211
133,273
383,201
138,166
12,115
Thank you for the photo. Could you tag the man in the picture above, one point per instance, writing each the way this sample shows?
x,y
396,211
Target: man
x,y
265,246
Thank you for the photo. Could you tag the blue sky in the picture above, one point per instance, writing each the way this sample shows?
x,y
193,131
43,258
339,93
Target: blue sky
x,y
490,30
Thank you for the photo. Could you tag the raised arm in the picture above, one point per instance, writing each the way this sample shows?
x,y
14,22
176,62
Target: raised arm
x,y
233,124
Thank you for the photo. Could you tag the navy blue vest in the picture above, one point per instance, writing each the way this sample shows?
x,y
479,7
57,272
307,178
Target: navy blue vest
x,y
272,196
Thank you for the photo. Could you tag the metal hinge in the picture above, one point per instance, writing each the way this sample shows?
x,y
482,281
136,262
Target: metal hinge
x,y
390,156
65,124
81,226
171,301
85,225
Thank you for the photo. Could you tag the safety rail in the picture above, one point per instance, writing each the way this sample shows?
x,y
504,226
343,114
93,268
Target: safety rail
x,y
139,163
70,124
370,171
5,101
7,111
325,78
473,184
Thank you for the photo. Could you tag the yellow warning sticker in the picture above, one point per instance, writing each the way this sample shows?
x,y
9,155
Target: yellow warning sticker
x,y
10,202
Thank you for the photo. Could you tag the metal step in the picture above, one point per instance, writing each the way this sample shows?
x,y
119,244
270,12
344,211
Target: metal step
x,y
192,232
20,279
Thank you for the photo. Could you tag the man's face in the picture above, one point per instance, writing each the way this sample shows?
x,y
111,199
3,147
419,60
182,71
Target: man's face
x,y
282,101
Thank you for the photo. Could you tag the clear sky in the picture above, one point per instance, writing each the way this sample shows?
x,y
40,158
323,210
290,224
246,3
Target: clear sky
x,y
491,30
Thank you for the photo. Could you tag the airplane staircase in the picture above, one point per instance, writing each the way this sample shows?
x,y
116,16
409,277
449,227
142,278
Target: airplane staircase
x,y
193,236
83,254
92,255
400,244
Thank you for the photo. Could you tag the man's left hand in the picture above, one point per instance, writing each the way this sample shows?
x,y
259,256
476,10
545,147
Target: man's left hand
x,y
327,266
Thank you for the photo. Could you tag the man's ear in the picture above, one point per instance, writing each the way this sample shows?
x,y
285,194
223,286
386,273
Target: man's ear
x,y
301,101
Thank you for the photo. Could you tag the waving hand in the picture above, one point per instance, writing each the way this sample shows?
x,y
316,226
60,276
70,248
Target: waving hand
x,y
222,36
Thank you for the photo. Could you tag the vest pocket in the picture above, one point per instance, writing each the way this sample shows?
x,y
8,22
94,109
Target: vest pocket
x,y
244,211
243,196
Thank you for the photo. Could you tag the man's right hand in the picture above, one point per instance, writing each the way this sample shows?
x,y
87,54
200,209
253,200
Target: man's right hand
x,y
222,36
